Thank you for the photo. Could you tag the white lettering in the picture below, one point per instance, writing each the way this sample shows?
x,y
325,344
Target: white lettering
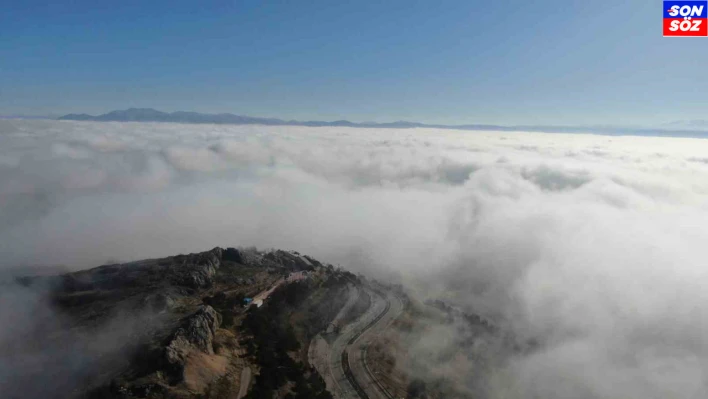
x,y
696,24
696,10
674,26
685,25
674,11
685,11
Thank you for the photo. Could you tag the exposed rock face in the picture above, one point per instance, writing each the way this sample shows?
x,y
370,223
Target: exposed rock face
x,y
198,270
193,271
139,329
196,333
251,257
232,255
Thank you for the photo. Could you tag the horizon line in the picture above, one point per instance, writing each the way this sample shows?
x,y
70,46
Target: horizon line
x,y
112,116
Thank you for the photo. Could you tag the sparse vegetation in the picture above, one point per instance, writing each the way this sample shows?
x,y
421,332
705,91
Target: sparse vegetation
x,y
293,314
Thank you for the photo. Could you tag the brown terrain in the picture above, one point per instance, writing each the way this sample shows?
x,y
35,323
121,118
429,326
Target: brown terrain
x,y
176,327
181,327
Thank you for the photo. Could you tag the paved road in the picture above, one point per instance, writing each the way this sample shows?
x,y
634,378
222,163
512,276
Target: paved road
x,y
357,351
341,363
260,298
319,351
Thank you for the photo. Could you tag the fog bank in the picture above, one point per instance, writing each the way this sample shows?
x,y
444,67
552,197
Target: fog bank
x,y
592,245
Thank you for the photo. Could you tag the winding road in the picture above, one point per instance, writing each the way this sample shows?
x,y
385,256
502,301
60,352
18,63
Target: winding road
x,y
342,361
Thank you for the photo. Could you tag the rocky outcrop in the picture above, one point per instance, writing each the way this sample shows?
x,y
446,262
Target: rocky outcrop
x,y
196,333
153,327
198,270
195,271
232,255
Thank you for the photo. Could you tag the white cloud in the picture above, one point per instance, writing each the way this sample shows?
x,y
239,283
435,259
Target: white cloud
x,y
593,245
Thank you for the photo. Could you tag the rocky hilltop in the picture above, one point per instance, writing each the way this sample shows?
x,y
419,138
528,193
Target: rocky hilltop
x,y
176,327
237,323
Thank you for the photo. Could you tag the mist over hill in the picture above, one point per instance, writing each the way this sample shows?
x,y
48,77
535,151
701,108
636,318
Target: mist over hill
x,y
589,248
353,200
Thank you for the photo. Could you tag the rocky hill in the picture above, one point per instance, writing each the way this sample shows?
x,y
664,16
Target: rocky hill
x,y
176,327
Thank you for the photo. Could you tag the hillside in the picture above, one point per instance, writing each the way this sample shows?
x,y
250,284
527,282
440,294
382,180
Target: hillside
x,y
177,327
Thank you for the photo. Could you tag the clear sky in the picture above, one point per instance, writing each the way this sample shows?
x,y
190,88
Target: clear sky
x,y
505,62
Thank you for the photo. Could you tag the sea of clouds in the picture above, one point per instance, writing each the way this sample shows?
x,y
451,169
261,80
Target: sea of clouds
x,y
595,247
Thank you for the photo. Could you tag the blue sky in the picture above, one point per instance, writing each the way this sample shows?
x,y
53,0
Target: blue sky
x,y
504,62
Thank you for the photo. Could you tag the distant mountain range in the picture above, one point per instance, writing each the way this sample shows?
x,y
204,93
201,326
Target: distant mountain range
x,y
153,115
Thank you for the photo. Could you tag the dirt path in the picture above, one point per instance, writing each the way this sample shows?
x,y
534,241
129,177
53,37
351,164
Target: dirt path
x,y
263,295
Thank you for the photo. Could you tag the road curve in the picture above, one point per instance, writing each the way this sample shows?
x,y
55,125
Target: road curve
x,y
357,350
342,363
